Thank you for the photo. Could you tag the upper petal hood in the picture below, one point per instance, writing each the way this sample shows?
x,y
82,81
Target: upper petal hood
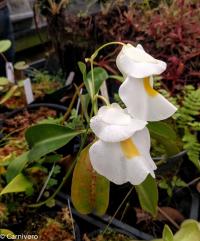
x,y
135,62
113,124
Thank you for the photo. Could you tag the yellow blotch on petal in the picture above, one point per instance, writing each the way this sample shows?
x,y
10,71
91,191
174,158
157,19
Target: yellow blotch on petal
x,y
129,148
150,91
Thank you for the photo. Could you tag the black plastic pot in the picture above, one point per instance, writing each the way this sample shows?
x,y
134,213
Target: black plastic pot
x,y
54,97
71,147
10,114
91,223
59,108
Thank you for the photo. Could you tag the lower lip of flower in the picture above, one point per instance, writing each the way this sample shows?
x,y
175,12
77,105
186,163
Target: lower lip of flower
x,y
129,148
148,88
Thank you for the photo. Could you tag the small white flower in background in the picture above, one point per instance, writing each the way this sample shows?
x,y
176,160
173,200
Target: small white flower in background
x,y
122,152
142,101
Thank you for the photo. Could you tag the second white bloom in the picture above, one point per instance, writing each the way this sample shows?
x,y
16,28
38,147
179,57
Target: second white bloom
x,y
142,101
122,152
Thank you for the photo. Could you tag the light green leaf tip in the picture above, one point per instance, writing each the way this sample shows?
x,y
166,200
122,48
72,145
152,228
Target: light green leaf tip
x,y
4,45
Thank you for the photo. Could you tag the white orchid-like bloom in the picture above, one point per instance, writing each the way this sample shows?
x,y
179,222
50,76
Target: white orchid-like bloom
x,y
122,152
142,101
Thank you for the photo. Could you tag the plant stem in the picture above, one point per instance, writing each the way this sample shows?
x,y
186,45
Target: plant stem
x,y
103,99
94,55
67,174
91,59
127,195
4,57
94,102
57,190
168,218
71,104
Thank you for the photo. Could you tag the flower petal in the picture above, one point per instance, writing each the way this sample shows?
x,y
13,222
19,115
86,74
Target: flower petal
x,y
135,62
113,124
143,142
108,159
143,105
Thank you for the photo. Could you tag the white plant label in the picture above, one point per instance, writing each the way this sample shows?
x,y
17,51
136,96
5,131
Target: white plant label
x,y
104,90
70,78
28,91
10,72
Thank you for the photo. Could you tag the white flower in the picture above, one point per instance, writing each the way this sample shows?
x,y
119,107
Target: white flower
x,y
142,101
122,152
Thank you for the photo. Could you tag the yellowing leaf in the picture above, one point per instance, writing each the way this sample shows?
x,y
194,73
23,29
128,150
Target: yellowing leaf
x,y
90,191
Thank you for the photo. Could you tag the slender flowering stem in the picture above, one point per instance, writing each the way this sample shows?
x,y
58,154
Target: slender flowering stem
x,y
94,55
4,57
91,59
71,104
116,212
103,99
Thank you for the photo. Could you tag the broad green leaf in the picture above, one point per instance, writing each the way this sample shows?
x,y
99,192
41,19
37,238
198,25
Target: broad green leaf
x,y
167,234
4,45
4,81
189,231
90,191
148,195
21,65
16,166
82,68
19,184
9,94
46,138
6,232
162,129
165,135
100,75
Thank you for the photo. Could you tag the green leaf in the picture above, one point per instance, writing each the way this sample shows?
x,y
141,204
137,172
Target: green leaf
x,y
163,184
16,166
162,129
190,230
148,195
46,138
21,65
19,184
100,75
117,77
165,135
85,99
6,232
90,191
167,234
4,45
4,81
82,68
